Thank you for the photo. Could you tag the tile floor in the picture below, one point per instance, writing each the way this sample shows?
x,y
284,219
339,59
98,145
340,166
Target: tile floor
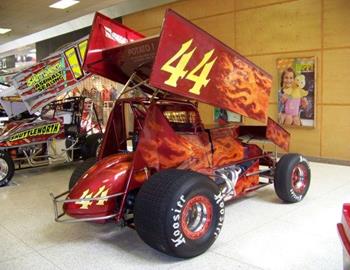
x,y
259,231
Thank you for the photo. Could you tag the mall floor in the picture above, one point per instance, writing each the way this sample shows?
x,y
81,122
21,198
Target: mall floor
x,y
259,231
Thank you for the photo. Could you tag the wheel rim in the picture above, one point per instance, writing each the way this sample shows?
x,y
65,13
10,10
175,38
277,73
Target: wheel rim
x,y
300,178
4,169
196,217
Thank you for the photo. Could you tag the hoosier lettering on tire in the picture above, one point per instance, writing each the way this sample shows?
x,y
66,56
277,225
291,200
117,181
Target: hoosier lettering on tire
x,y
292,178
179,212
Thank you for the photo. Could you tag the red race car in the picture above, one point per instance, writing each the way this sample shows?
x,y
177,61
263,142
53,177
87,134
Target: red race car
x,y
159,170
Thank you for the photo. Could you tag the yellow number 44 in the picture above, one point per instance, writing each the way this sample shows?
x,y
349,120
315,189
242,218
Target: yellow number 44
x,y
179,72
102,192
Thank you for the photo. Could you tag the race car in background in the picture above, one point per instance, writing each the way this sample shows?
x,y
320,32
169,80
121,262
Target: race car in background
x,y
64,131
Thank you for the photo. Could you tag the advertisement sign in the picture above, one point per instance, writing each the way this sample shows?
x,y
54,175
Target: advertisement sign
x,y
297,91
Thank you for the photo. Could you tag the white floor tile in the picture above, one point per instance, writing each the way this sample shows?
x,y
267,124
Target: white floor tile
x,y
10,246
31,261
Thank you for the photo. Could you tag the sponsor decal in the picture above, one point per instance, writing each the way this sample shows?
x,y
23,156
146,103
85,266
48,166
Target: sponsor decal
x,y
43,130
295,196
45,78
178,239
114,36
219,199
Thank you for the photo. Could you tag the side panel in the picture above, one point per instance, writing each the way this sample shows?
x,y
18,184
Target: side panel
x,y
226,148
193,64
277,134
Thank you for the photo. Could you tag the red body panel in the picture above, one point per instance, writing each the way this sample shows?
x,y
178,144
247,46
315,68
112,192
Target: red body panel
x,y
277,134
344,233
107,177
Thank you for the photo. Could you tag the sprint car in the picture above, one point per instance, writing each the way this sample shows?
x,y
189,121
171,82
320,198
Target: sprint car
x,y
159,169
64,131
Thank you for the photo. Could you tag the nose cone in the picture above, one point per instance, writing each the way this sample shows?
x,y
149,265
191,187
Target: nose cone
x,y
107,177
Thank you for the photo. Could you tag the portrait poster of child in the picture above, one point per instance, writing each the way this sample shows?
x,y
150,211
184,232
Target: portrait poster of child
x,y
296,91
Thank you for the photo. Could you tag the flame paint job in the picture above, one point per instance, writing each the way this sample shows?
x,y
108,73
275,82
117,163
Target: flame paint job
x,y
277,134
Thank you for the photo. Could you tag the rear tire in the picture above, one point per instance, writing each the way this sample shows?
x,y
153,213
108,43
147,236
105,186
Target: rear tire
x,y
80,170
179,213
292,178
7,168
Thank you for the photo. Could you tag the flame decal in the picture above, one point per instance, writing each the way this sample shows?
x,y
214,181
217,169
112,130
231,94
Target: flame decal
x,y
277,134
242,88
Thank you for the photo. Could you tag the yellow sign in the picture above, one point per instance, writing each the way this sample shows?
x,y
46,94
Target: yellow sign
x,y
82,49
43,130
74,63
46,77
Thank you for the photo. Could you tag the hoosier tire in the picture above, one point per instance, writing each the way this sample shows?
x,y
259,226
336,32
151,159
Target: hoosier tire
x,y
292,178
7,168
80,170
179,212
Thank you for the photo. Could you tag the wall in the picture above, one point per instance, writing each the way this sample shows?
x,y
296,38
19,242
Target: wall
x,y
265,30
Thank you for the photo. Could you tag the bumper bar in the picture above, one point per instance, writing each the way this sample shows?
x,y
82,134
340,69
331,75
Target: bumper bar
x,y
64,218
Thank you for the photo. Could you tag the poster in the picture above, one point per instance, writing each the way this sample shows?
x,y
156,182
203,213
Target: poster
x,y
297,91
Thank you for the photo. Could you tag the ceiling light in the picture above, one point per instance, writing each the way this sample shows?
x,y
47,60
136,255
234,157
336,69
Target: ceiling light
x,y
4,30
64,4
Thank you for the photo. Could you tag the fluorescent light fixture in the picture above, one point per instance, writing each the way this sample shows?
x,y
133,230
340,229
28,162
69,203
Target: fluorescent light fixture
x,y
4,30
64,4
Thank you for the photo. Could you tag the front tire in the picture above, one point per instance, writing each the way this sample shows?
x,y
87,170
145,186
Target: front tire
x,y
7,168
179,213
80,170
292,178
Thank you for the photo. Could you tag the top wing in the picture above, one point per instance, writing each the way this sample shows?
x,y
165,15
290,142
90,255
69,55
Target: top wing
x,y
185,60
191,63
104,56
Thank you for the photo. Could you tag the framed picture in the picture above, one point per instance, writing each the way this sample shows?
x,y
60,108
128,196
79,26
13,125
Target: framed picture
x,y
223,116
297,91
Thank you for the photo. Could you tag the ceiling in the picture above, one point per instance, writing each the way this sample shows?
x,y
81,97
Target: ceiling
x,y
27,17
